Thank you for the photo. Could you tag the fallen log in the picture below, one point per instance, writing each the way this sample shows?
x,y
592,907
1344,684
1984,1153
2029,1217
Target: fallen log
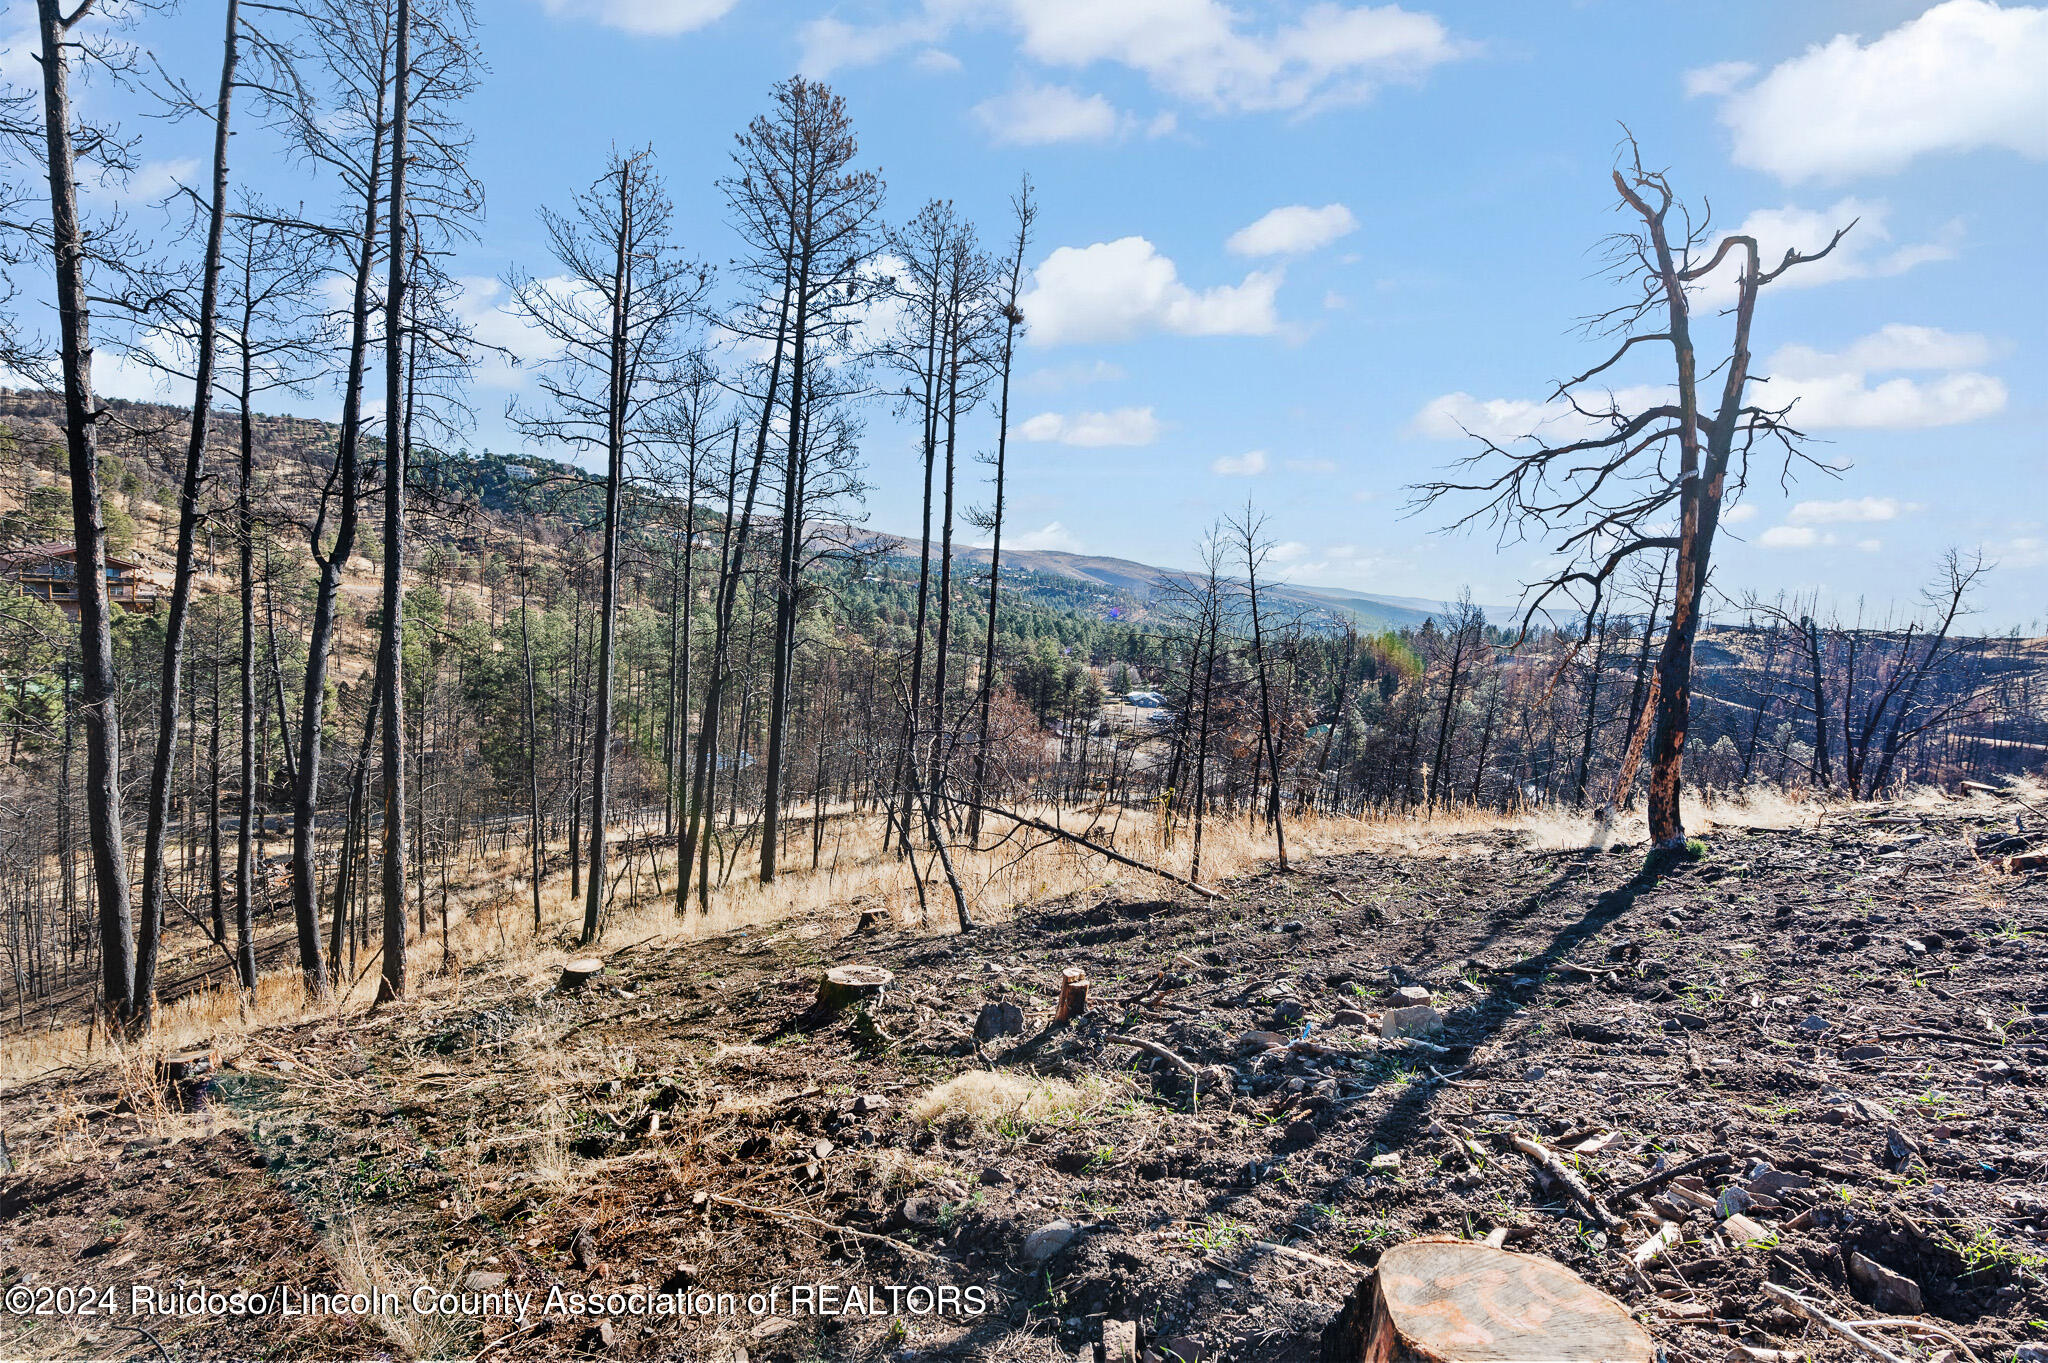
x,y
1056,831
1461,1301
1664,1176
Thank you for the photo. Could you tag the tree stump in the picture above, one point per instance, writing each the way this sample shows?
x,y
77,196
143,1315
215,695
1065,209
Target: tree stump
x,y
577,973
1463,1301
843,986
1073,994
183,1079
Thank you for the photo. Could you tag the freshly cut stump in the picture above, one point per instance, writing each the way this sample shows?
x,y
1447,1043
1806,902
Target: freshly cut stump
x,y
1463,1301
846,985
577,973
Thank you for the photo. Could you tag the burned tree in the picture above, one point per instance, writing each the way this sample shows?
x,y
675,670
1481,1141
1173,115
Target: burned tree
x,y
1645,478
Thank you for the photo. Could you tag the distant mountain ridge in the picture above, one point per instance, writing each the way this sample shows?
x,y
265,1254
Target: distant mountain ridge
x,y
1148,583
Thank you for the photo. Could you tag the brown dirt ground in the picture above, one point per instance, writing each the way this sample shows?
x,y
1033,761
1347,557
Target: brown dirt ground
x,y
1855,1013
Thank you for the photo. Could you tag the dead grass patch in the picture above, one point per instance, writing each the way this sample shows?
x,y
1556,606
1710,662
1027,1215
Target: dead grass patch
x,y
1012,1105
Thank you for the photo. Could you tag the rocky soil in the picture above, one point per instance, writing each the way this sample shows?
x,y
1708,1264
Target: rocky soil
x,y
1842,1027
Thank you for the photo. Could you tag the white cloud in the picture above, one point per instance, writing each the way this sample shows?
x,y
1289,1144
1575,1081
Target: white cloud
x,y
937,61
1865,253
1124,426
1052,378
1115,290
1962,76
1719,79
1288,551
1459,416
1893,346
484,306
1050,536
1293,230
649,18
1737,515
1247,465
1319,466
1849,511
1870,546
1200,51
1035,115
1834,390
1789,537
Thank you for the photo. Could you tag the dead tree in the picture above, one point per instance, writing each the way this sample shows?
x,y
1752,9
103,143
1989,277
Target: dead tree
x,y
618,317
1026,213
1651,479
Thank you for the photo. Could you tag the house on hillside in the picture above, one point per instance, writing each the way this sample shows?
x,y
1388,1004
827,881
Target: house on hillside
x,y
50,573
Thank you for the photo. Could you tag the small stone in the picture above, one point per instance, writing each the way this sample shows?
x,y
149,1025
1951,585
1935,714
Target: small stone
x,y
1260,1041
993,1177
1385,1164
1892,1293
1772,1182
870,1102
583,1250
1047,1241
1409,995
1294,925
1299,1132
1348,1017
484,1282
1533,1073
2030,1353
1815,1023
1419,1020
1866,1051
1288,1012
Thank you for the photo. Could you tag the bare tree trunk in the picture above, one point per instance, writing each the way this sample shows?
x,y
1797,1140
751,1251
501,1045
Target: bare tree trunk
x,y
98,683
172,673
390,644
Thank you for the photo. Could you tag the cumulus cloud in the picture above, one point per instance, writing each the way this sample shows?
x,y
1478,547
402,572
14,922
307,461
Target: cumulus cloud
x,y
1836,390
1293,230
1458,416
1789,537
1719,79
648,18
1052,535
1200,51
1867,252
1247,465
1036,115
1124,426
1848,511
1963,76
1115,290
1052,378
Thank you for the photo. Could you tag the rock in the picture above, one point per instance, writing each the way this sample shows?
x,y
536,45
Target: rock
x,y
1419,1020
1865,1051
583,1250
993,1177
1533,1073
1893,1293
1047,1241
2030,1353
484,1282
998,1019
1385,1164
1260,1041
1348,1017
1178,1349
1899,1150
1772,1182
1814,1023
919,1213
1733,1201
1298,1132
1293,925
870,1102
1408,995
1288,1012
1119,1341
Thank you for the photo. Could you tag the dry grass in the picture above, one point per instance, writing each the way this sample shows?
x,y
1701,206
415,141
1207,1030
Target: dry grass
x,y
490,912
1012,1104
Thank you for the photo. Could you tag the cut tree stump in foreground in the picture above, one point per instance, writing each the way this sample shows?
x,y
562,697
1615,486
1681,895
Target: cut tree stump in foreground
x,y
577,973
1073,994
1463,1301
846,985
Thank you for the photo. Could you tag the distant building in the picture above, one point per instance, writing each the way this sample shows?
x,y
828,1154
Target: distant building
x,y
49,572
1145,700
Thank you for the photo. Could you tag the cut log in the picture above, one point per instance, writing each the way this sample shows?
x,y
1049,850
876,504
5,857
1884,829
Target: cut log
x,y
1073,994
577,973
843,986
1460,1301
183,1069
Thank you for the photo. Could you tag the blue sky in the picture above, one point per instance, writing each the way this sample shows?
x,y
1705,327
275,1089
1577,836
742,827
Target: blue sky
x,y
1288,250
